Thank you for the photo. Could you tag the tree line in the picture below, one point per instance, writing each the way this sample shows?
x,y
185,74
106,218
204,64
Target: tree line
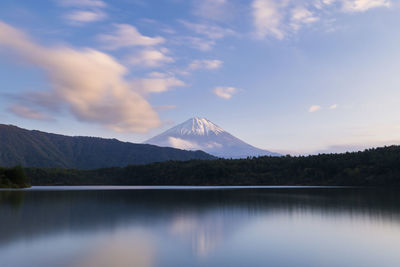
x,y
14,177
372,167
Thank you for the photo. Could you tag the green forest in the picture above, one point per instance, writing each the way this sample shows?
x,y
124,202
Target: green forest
x,y
13,178
45,150
372,167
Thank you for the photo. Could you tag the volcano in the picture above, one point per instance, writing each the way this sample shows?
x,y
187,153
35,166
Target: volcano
x,y
202,134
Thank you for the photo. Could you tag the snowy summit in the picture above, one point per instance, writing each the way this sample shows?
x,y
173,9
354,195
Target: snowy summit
x,y
202,134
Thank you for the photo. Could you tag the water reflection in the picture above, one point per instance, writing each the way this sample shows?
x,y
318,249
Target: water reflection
x,y
246,227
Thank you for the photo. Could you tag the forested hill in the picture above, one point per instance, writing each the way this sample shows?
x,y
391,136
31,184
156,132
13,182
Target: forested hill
x,y
373,167
39,149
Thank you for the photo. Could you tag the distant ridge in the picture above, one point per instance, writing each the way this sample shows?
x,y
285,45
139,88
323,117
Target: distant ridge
x,y
200,133
39,149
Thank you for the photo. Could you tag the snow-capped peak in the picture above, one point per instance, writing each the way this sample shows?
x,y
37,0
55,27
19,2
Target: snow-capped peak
x,y
197,126
201,134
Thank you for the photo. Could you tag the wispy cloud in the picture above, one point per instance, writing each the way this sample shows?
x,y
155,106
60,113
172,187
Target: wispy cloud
x,y
268,18
125,35
314,108
203,36
150,58
82,3
301,16
182,144
201,44
363,5
225,92
334,106
83,11
212,32
28,113
278,19
85,16
205,64
212,9
156,84
88,83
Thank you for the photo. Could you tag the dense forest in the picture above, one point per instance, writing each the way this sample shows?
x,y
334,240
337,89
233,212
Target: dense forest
x,y
13,178
372,167
45,150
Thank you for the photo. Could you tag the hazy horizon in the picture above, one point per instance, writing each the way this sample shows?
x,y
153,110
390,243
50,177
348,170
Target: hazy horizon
x,y
294,77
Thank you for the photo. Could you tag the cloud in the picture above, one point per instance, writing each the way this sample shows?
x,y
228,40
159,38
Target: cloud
x,y
85,16
199,43
156,74
334,106
87,11
268,18
210,34
88,83
280,18
212,9
225,92
314,108
150,58
213,32
157,84
82,3
352,6
301,15
28,113
126,35
182,144
205,64
363,5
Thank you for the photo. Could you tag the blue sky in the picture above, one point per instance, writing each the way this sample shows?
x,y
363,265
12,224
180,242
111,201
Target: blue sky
x,y
289,76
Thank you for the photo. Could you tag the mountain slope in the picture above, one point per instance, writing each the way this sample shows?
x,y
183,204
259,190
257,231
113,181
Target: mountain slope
x,y
40,149
200,133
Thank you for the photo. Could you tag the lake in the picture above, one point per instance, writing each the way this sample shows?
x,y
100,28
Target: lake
x,y
207,226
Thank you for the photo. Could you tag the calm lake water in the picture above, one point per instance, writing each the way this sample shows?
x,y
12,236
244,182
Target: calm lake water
x,y
141,226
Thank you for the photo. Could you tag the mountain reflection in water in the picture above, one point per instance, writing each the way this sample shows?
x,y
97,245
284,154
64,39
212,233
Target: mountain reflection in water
x,y
216,227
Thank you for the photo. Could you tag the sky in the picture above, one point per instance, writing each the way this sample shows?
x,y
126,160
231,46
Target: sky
x,y
291,76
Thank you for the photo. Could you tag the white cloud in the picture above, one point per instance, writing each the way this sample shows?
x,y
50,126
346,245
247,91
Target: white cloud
x,y
314,108
354,5
199,43
213,32
205,64
363,5
320,4
280,18
182,144
268,18
301,15
126,35
225,92
150,58
82,3
84,16
156,85
88,83
334,106
156,74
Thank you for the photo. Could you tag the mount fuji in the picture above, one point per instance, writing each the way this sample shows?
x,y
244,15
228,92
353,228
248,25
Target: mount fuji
x,y
201,134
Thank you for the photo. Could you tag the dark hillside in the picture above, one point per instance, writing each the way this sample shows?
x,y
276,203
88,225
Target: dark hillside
x,y
39,149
